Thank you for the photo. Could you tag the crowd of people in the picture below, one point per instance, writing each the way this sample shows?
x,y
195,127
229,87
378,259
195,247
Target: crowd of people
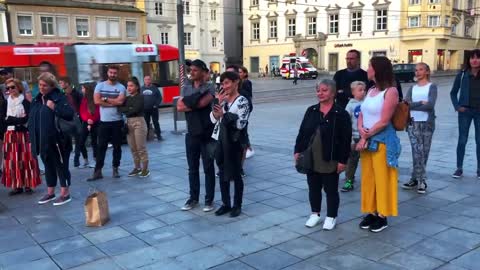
x,y
350,124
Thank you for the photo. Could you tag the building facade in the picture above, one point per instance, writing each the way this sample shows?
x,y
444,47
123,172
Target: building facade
x,y
233,28
203,28
324,31
3,24
69,21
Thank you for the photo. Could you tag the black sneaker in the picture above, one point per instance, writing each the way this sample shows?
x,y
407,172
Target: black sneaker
x,y
76,163
458,173
367,221
223,210
15,191
478,174
236,211
379,225
348,186
47,198
410,185
422,188
189,205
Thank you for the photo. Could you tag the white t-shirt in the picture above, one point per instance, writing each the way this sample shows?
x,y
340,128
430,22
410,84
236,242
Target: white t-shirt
x,y
372,108
420,93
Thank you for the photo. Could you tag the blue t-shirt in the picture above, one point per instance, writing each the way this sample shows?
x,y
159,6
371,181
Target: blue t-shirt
x,y
109,114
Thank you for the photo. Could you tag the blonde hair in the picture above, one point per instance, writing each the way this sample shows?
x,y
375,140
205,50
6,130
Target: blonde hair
x,y
355,84
48,78
427,68
17,82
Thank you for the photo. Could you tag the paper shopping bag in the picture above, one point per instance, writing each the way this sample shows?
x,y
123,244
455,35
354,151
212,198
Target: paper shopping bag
x,y
96,209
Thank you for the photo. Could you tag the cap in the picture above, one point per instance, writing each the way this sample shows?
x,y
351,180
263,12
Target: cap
x,y
200,64
6,70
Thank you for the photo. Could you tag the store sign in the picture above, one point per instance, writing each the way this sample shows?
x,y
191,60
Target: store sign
x,y
145,49
36,50
342,45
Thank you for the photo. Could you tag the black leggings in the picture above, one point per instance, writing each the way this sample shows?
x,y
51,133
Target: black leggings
x,y
55,161
82,149
329,183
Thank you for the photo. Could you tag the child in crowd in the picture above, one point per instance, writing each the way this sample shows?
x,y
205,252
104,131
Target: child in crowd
x,y
353,108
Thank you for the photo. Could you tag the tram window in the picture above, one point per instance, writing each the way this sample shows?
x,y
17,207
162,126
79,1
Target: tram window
x,y
124,72
168,73
152,69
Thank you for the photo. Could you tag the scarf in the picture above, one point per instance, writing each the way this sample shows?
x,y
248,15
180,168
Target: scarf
x,y
15,108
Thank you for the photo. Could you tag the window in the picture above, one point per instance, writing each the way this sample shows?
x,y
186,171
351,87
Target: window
x,y
47,26
214,42
272,29
413,21
25,27
468,32
188,38
434,1
312,26
131,29
107,28
82,27
186,7
101,29
291,27
433,21
164,38
158,8
356,21
213,14
469,4
255,31
333,23
254,2
114,28
454,29
381,20
414,2
447,21
62,27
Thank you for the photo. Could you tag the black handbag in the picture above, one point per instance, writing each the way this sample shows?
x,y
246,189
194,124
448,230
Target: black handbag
x,y
304,162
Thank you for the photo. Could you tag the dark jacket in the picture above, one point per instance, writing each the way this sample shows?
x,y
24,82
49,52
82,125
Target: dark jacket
x,y
336,131
41,121
77,99
133,106
198,120
462,85
152,96
246,90
3,113
343,78
19,122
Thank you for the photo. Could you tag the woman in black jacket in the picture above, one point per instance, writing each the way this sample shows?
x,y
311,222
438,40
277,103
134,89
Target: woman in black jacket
x,y
48,140
327,127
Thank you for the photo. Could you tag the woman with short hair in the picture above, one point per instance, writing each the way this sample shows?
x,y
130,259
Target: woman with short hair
x,y
327,128
379,146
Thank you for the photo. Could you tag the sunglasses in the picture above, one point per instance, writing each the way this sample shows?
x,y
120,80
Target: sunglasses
x,y
10,87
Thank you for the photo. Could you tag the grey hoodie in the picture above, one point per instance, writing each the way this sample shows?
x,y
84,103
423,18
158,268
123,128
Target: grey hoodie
x,y
353,108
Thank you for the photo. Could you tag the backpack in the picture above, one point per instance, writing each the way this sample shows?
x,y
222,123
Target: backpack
x,y
401,117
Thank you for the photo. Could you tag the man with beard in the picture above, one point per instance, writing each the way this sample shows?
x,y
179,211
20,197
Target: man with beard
x,y
198,94
109,95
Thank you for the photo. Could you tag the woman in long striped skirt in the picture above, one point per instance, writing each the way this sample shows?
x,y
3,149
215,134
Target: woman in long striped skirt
x,y
20,168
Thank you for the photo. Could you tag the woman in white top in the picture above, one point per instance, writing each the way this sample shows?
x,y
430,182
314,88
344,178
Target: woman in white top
x,y
379,146
421,97
230,116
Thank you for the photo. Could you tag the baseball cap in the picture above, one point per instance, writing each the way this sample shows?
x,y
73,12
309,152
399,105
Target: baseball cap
x,y
200,64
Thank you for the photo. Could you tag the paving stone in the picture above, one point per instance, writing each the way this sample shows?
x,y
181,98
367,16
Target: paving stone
x,y
271,259
166,263
233,265
106,235
102,264
160,235
448,195
275,235
204,258
66,245
219,234
161,209
303,266
242,246
139,258
259,196
337,237
176,217
303,247
50,231
280,202
341,260
195,225
78,257
143,225
42,264
15,239
424,227
256,209
277,217
298,225
412,261
20,256
282,190
440,249
370,249
459,237
177,247
122,245
399,237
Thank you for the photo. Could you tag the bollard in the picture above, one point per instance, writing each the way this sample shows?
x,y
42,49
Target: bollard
x,y
177,116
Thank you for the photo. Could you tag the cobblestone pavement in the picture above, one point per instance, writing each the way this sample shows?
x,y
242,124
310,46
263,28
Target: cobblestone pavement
x,y
439,230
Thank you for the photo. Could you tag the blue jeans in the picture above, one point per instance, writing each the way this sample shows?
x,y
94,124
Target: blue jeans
x,y
464,122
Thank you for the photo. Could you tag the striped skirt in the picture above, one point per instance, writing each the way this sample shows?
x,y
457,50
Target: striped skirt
x,y
20,167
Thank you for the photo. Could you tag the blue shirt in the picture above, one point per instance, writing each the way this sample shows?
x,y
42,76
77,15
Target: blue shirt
x,y
109,114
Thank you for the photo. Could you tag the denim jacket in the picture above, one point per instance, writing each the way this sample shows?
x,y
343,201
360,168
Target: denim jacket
x,y
389,137
462,84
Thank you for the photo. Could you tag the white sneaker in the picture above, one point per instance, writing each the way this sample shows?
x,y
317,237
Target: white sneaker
x,y
329,223
208,207
313,220
250,153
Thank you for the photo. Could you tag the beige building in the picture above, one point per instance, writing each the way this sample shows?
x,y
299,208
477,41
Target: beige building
x,y
70,21
3,24
438,30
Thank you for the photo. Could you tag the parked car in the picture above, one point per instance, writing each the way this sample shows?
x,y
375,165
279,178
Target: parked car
x,y
404,72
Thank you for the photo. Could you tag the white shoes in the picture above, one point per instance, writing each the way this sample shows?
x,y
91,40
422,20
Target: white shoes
x,y
329,223
313,220
250,153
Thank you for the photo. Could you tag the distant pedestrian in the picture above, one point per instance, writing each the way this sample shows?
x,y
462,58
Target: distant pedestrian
x,y
109,95
353,108
90,118
380,147
467,104
230,117
133,108
295,75
345,77
330,128
421,97
196,103
20,168
266,70
153,100
47,139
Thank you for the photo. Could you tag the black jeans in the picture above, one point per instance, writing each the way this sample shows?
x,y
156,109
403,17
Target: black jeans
x,y
109,132
80,144
329,183
153,114
225,189
56,161
196,146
